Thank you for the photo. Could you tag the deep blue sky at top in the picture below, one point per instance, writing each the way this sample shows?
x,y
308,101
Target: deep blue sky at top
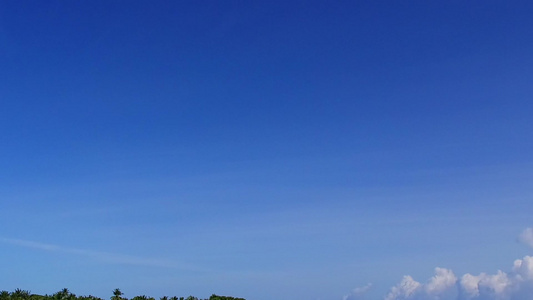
x,y
240,107
231,81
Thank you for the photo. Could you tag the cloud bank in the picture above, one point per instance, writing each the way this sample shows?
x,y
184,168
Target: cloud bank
x,y
516,284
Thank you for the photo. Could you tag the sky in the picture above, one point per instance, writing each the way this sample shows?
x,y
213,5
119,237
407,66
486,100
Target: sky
x,y
303,150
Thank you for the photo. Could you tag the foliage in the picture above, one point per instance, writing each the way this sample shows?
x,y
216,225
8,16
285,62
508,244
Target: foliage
x,y
216,297
143,297
65,294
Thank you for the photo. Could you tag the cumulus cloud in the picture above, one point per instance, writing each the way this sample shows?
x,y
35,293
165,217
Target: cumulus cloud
x,y
406,289
517,284
484,286
440,286
442,282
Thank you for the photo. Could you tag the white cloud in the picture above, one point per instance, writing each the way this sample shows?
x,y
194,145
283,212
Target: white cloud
x,y
440,286
470,285
406,289
443,280
517,284
496,286
524,268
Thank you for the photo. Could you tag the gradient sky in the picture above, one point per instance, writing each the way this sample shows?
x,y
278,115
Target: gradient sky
x,y
261,149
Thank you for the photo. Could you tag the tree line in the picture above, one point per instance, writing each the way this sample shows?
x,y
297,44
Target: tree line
x,y
65,294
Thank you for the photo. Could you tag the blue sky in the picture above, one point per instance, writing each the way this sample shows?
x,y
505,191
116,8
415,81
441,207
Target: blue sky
x,y
262,149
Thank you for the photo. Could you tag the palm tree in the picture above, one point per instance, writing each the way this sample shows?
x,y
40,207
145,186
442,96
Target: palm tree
x,y
64,294
4,295
143,297
117,295
20,294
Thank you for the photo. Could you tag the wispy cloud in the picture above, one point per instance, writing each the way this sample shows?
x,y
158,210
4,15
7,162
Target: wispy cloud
x,y
526,237
358,293
107,257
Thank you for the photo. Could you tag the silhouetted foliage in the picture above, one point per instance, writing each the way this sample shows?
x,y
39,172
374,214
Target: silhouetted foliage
x,y
216,297
65,294
4,295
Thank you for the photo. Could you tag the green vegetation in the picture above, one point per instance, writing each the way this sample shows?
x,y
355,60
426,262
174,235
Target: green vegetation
x,y
65,294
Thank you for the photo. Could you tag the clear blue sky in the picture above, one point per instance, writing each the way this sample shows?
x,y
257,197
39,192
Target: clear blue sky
x,y
261,149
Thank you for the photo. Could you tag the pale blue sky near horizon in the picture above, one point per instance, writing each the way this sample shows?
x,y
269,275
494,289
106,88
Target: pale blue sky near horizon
x,y
266,150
